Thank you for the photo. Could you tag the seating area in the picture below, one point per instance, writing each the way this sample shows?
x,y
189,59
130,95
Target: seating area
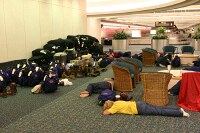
x,y
154,84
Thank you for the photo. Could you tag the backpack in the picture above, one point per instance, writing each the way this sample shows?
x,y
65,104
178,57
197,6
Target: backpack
x,y
2,83
50,84
6,77
22,79
176,62
105,95
35,77
58,68
105,62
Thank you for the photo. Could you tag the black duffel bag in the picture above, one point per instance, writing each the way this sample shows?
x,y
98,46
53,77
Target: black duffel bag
x,y
96,49
53,48
37,52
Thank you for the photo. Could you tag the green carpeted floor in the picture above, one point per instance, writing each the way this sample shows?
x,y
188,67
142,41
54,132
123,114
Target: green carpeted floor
x,y
65,112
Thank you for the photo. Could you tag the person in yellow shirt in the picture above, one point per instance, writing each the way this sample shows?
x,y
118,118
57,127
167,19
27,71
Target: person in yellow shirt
x,y
141,108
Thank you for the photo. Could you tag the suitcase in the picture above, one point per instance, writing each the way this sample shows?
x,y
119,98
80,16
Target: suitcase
x,y
60,57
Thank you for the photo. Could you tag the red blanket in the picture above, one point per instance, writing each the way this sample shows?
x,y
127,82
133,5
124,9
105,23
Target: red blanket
x,y
189,94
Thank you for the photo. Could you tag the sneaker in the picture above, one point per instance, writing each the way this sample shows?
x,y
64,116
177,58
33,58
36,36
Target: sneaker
x,y
185,114
84,94
36,89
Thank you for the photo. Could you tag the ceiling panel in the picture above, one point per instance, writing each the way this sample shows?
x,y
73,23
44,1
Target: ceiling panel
x,y
183,17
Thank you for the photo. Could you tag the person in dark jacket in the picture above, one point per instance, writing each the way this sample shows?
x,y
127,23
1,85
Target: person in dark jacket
x,y
98,87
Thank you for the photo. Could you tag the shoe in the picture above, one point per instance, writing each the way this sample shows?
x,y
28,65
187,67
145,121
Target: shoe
x,y
11,92
36,89
185,114
13,89
84,94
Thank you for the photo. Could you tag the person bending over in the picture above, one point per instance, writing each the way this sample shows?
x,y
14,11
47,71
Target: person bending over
x,y
141,108
98,87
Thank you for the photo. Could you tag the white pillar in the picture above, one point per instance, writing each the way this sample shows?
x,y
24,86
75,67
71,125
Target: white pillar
x,y
94,28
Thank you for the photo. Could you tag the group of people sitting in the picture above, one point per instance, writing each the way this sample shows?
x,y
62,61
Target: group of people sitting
x,y
129,106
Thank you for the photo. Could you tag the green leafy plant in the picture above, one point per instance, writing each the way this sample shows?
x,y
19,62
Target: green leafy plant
x,y
197,34
160,33
119,35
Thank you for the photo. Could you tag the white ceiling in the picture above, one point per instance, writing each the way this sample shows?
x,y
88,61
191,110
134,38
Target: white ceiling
x,y
184,13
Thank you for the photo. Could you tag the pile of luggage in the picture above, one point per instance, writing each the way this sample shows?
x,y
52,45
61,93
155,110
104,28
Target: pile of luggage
x,y
72,46
73,57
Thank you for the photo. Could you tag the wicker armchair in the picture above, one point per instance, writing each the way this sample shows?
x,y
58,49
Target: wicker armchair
x,y
134,63
122,78
155,87
148,57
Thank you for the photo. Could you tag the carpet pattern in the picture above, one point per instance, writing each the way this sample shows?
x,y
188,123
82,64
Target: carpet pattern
x,y
65,112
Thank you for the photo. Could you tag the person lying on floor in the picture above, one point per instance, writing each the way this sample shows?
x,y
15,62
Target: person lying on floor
x,y
141,108
98,87
175,89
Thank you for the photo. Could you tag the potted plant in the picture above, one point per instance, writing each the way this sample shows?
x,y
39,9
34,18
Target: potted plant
x,y
196,39
119,40
197,34
160,39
